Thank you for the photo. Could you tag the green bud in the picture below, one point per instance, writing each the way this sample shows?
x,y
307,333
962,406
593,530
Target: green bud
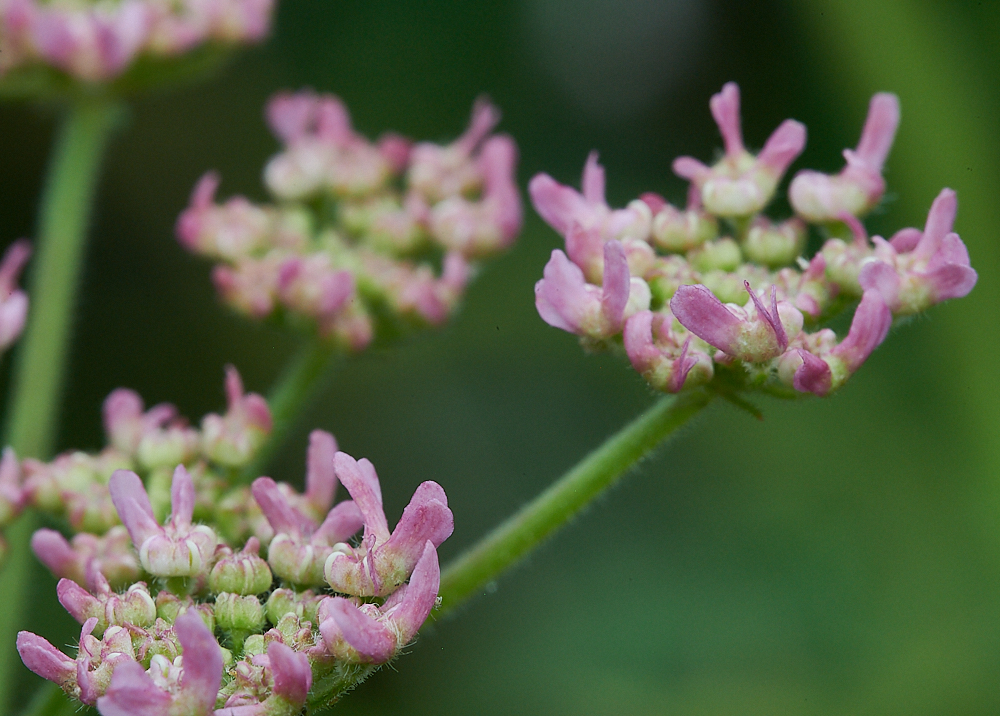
x,y
723,255
774,245
254,645
680,231
241,572
238,614
303,605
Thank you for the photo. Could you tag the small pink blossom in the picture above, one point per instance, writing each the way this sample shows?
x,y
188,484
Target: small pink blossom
x,y
384,560
179,548
663,354
110,555
565,300
368,633
818,364
741,184
753,333
233,439
916,270
859,186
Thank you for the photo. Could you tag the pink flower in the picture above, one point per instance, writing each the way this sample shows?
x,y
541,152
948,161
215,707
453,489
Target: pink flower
x,y
368,633
13,301
322,150
313,286
565,300
439,172
135,607
859,186
664,355
230,231
586,220
753,334
47,661
741,184
233,439
178,549
914,271
490,224
820,365
110,555
286,674
189,685
383,561
158,437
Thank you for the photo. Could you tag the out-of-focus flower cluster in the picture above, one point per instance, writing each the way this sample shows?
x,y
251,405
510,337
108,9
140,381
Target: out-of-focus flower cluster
x,y
364,239
718,291
98,41
197,597
13,301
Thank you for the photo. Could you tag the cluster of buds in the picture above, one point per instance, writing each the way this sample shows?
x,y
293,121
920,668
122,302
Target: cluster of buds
x,y
74,487
718,291
363,238
303,611
94,41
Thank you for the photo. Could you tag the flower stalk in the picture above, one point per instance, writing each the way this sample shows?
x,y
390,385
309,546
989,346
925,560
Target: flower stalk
x,y
39,367
599,470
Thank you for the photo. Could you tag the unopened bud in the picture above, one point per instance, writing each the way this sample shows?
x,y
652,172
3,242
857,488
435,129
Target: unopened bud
x,y
723,254
680,231
241,572
238,614
772,244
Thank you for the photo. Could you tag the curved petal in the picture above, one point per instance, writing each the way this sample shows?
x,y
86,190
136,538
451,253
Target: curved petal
x,y
374,641
291,672
202,674
133,693
698,310
133,506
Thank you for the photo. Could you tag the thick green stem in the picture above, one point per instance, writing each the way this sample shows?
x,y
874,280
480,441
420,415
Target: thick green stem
x,y
39,367
559,503
302,381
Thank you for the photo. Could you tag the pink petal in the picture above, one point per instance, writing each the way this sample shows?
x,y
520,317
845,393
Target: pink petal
x,y
341,523
44,659
282,517
940,219
321,479
133,506
786,143
593,180
698,310
485,116
725,108
871,323
813,376
614,296
375,642
420,595
883,278
560,296
291,672
181,497
880,130
133,693
14,260
357,477
425,518
558,205
202,673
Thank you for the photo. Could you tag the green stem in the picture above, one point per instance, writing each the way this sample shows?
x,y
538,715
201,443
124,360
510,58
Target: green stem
x,y
39,367
560,502
301,382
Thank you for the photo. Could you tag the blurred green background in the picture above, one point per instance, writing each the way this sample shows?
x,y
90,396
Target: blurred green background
x,y
842,557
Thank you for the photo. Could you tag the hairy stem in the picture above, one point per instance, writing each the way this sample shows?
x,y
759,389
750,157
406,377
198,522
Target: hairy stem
x,y
303,380
39,367
524,531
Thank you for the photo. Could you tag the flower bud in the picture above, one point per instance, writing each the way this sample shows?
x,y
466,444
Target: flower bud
x,y
238,614
286,601
241,572
773,244
723,254
680,231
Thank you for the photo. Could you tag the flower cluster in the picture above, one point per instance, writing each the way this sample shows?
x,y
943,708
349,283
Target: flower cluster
x,y
364,238
718,291
201,625
95,41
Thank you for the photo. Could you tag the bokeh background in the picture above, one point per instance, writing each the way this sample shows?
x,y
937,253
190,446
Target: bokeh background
x,y
841,557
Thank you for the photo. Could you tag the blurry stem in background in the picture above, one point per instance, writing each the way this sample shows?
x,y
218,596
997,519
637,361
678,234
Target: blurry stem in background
x,y
51,701
302,381
39,368
524,531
